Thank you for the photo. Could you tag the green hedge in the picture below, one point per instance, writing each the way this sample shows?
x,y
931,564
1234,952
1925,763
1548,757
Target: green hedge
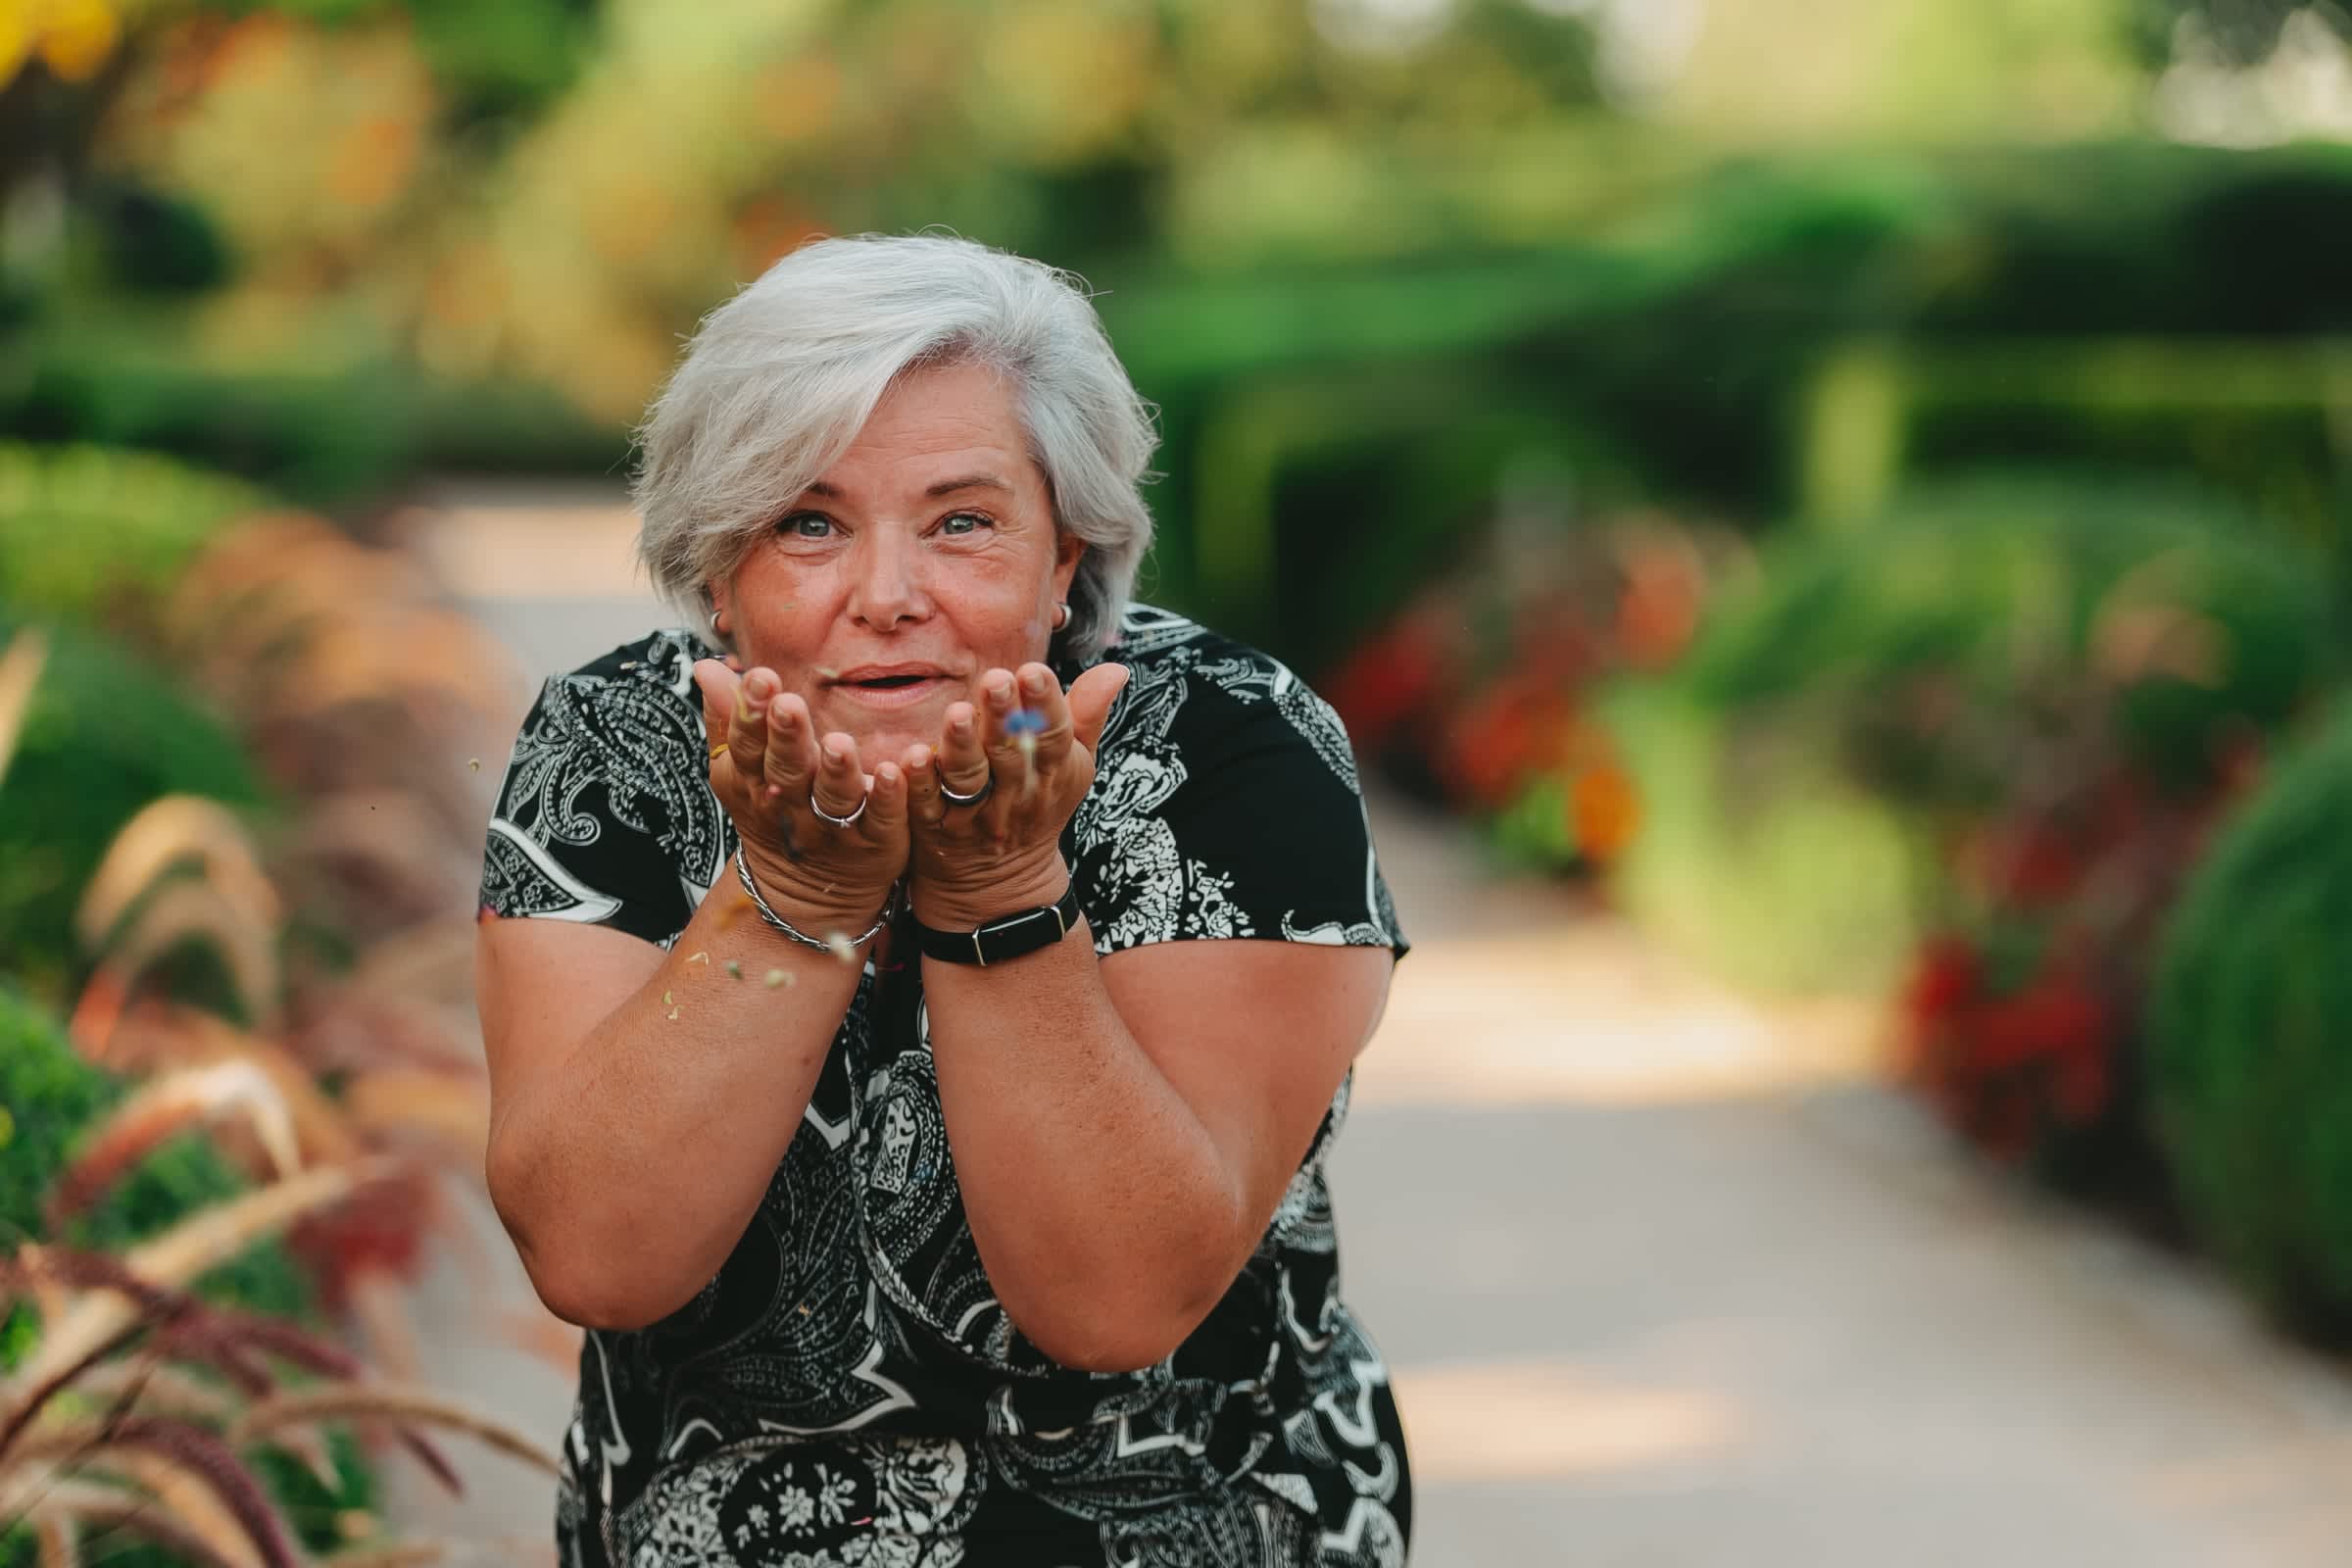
x,y
1790,790
2251,1081
105,735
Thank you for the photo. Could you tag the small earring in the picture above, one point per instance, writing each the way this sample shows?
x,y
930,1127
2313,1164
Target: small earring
x,y
1061,617
715,631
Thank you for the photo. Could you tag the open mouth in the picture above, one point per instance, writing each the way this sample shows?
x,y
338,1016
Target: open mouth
x,y
890,683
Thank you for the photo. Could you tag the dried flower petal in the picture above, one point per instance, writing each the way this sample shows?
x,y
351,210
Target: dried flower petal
x,y
778,977
674,1015
699,957
734,970
841,946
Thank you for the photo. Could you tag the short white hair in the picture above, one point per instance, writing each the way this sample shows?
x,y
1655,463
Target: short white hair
x,y
779,381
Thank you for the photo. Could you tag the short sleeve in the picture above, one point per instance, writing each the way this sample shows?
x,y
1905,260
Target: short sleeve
x,y
1227,805
603,815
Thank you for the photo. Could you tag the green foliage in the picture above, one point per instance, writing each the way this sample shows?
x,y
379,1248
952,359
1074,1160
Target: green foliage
x,y
103,737
84,530
52,1096
2010,598
2252,1089
1753,856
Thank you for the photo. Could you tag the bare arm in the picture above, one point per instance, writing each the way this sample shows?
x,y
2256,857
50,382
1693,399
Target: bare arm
x,y
1124,1128
640,1101
630,1147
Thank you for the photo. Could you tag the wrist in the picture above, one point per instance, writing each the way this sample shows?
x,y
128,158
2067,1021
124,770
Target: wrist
x,y
953,906
818,913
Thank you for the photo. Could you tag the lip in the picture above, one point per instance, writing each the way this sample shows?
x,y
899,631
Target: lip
x,y
930,682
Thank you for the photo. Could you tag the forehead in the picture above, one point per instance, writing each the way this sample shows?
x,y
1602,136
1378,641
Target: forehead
x,y
932,420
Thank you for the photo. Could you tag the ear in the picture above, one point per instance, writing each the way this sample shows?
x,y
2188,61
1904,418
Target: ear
x,y
1068,551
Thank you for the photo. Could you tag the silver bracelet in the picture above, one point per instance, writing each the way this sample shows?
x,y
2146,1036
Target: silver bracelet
x,y
744,873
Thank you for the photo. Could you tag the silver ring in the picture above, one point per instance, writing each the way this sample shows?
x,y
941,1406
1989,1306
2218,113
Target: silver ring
x,y
986,788
837,821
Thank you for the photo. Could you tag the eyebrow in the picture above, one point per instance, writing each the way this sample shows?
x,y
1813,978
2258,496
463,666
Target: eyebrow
x,y
945,487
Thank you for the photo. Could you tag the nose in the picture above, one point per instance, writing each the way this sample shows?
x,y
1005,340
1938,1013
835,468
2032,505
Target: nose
x,y
886,580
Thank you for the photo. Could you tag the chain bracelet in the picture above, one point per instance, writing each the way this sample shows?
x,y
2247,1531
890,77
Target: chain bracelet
x,y
743,872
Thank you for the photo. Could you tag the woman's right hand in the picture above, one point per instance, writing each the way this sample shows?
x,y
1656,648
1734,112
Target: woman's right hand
x,y
838,878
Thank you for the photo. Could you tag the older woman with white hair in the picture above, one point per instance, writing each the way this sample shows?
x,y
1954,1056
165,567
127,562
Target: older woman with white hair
x,y
917,1032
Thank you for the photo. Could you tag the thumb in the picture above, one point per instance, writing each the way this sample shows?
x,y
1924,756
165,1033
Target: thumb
x,y
1091,697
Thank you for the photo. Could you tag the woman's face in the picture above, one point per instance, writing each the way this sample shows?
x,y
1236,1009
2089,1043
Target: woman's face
x,y
924,557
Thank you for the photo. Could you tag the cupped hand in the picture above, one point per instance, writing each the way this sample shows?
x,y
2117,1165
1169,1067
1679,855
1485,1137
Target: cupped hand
x,y
970,865
772,765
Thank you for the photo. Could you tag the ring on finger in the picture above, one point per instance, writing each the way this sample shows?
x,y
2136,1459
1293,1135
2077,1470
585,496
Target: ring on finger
x,y
837,821
986,787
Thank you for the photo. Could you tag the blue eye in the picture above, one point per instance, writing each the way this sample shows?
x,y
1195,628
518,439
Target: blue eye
x,y
806,526
964,523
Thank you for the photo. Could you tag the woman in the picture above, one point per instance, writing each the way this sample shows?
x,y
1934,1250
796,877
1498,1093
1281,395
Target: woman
x,y
931,1191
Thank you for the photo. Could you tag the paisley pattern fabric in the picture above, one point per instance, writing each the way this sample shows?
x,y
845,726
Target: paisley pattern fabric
x,y
848,1391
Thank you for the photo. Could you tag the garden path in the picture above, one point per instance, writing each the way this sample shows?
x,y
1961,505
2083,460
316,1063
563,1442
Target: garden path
x,y
1664,1275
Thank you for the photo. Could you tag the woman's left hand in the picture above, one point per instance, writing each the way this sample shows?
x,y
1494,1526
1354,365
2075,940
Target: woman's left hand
x,y
971,864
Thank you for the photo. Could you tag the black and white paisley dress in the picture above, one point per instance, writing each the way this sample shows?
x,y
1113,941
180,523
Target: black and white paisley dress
x,y
848,1391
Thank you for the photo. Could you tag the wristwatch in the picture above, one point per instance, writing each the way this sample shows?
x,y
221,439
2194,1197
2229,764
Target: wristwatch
x,y
1025,931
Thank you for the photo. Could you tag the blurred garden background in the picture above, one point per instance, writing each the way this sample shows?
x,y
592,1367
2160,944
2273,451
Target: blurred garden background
x,y
1830,525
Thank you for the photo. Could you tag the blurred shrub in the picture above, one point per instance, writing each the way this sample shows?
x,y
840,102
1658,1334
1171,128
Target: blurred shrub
x,y
49,1097
92,534
2043,685
103,736
2252,1087
1756,856
1477,693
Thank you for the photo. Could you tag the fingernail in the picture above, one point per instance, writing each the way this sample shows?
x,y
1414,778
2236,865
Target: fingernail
x,y
999,692
1034,683
887,773
962,729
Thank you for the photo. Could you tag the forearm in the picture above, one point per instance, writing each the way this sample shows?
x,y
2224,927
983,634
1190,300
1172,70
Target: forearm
x,y
626,1174
1102,1207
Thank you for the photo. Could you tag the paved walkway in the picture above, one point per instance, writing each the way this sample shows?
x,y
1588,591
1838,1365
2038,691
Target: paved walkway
x,y
1665,1278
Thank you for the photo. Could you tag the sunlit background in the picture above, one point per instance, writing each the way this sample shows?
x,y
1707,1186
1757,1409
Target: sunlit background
x,y
1826,521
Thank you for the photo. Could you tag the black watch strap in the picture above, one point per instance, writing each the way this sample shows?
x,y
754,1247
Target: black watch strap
x,y
1024,931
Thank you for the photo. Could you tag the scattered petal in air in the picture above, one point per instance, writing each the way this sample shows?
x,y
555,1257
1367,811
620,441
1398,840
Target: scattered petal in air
x,y
734,970
699,957
843,948
778,977
1025,723
674,1015
669,1001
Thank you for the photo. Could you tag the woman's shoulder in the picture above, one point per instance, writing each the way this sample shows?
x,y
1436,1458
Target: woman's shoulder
x,y
1192,688
657,666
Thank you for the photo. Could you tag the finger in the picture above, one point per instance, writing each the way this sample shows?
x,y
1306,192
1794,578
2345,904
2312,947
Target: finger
x,y
792,760
999,699
1091,697
885,815
840,781
924,806
747,725
961,762
1043,706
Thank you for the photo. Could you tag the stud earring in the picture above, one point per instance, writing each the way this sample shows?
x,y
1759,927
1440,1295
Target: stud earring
x,y
1061,617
